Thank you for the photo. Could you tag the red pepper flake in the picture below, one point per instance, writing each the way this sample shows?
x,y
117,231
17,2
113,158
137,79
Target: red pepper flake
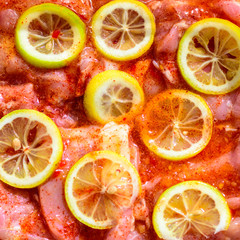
x,y
56,33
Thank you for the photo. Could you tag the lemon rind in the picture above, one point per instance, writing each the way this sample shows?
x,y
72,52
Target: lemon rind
x,y
96,87
194,149
90,157
57,144
37,59
183,51
214,193
138,50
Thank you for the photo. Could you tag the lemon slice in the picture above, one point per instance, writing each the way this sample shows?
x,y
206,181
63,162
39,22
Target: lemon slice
x,y
113,95
177,124
209,56
99,186
30,148
190,206
49,35
123,29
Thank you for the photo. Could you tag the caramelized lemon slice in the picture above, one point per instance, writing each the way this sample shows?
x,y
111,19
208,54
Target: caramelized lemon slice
x,y
49,35
30,148
190,206
209,56
123,29
99,186
113,95
176,124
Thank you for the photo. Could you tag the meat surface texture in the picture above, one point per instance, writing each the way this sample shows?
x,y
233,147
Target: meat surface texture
x,y
17,97
20,216
42,213
62,224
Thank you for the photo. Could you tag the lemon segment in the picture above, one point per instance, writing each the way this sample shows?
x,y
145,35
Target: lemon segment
x,y
49,35
99,186
123,29
209,56
177,124
113,95
30,148
190,206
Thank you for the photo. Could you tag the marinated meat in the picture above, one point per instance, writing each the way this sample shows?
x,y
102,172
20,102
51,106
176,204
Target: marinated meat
x,y
13,97
58,93
20,216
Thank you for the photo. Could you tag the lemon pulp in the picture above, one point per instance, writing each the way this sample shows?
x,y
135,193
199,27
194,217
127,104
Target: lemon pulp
x,y
190,206
176,124
30,148
99,186
113,95
49,35
209,56
123,30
